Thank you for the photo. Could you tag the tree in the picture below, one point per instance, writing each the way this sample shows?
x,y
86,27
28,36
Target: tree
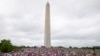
x,y
70,47
75,47
61,47
96,47
6,46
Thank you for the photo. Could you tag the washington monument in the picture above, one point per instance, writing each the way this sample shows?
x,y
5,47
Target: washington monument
x,y
47,33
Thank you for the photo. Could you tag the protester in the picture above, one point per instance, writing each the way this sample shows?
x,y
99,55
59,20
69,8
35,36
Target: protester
x,y
50,52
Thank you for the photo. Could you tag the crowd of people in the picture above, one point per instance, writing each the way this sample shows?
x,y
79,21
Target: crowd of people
x,y
52,52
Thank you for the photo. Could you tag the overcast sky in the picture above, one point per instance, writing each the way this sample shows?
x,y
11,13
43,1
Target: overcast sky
x,y
73,22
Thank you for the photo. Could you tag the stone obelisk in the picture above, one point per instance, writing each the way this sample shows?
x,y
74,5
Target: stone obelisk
x,y
47,34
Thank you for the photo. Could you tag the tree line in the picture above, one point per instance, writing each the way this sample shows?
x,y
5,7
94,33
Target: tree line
x,y
6,46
